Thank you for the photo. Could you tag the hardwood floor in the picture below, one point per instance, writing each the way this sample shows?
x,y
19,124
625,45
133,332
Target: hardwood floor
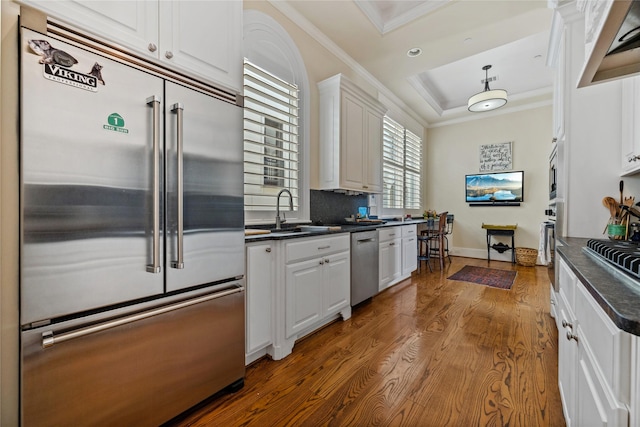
x,y
427,352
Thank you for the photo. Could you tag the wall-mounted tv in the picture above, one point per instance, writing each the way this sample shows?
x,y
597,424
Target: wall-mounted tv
x,y
495,188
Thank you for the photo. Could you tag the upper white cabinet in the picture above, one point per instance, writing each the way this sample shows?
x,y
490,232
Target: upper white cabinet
x,y
557,61
630,142
350,137
203,39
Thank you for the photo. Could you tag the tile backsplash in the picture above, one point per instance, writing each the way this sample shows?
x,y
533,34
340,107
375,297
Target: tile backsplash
x,y
328,207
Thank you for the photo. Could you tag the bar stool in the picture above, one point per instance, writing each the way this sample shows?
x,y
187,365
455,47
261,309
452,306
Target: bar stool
x,y
423,250
437,239
448,230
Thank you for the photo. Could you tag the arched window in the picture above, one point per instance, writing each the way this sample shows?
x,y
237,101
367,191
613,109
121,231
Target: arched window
x,y
276,131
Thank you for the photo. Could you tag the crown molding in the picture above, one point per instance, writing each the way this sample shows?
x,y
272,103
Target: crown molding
x,y
320,37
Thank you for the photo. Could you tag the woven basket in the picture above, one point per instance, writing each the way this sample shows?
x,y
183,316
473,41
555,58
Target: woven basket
x,y
526,257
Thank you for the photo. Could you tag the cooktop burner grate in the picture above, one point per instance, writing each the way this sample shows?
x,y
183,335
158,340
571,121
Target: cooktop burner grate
x,y
622,254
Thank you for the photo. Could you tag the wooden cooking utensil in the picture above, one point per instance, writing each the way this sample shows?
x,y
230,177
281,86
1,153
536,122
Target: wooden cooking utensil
x,y
611,204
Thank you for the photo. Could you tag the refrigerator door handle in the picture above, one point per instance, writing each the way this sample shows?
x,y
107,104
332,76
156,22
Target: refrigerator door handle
x,y
154,267
178,109
49,339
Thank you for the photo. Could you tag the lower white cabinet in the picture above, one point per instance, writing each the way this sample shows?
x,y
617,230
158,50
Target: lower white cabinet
x,y
397,255
389,256
260,259
316,287
409,250
594,358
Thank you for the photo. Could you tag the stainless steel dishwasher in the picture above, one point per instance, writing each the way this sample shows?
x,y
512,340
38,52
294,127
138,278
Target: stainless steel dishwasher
x,y
364,265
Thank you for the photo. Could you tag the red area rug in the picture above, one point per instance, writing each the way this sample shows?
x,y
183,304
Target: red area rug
x,y
493,277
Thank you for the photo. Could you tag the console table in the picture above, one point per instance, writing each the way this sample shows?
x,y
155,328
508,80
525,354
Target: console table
x,y
501,230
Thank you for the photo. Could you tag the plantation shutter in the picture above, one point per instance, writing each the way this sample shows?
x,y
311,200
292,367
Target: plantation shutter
x,y
401,167
271,150
412,171
392,164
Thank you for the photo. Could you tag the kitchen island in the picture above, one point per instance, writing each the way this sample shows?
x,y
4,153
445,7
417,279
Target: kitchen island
x,y
598,318
616,292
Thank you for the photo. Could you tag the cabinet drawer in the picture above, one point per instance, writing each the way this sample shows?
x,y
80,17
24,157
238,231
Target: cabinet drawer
x,y
408,230
301,249
389,233
568,282
609,346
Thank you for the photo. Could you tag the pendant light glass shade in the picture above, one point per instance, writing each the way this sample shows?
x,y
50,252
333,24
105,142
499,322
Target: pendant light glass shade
x,y
488,99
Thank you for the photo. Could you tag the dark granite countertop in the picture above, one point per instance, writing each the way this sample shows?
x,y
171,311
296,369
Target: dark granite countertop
x,y
617,293
284,235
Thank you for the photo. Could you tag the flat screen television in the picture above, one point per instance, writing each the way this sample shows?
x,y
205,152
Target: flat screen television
x,y
495,187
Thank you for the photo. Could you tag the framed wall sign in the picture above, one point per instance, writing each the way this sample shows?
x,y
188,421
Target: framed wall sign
x,y
496,157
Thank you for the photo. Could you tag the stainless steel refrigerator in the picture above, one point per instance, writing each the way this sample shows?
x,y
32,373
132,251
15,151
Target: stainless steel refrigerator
x,y
132,242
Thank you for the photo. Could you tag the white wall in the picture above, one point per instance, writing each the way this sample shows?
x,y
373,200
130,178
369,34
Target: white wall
x,y
453,151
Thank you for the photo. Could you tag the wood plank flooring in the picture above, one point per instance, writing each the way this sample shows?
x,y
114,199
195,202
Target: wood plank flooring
x,y
426,352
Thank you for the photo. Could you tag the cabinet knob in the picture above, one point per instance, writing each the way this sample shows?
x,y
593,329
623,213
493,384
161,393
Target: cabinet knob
x,y
327,260
633,158
566,324
571,336
321,262
365,186
268,250
152,47
168,54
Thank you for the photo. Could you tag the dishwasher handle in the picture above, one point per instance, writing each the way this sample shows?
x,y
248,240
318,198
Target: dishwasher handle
x,y
370,239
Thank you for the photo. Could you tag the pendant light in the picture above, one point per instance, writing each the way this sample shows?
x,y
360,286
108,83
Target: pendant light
x,y
488,99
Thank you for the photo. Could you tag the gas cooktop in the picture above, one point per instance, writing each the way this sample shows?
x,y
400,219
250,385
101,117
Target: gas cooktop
x,y
622,254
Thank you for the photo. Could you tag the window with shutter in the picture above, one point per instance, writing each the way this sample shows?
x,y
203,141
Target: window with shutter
x,y
401,167
271,152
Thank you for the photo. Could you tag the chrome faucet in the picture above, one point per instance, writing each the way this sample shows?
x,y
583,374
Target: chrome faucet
x,y
279,221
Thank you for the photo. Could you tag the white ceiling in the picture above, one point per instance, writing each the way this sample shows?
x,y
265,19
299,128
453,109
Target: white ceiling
x,y
457,38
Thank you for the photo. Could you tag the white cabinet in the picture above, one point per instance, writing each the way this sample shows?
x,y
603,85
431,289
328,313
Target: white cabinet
x,y
557,61
567,348
594,358
259,299
630,142
350,137
317,284
303,288
409,250
201,38
389,256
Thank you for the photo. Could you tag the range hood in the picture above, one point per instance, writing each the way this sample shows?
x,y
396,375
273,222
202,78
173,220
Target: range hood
x,y
612,41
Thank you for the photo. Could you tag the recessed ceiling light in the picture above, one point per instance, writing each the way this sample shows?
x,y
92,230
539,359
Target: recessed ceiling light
x,y
413,52
467,40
